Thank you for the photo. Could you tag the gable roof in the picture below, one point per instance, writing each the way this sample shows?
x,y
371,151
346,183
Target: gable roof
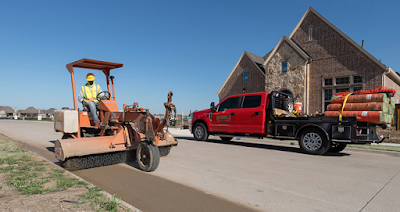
x,y
388,70
7,109
257,61
49,111
300,51
30,110
311,10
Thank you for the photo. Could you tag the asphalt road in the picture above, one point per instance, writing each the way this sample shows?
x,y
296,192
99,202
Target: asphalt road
x,y
241,175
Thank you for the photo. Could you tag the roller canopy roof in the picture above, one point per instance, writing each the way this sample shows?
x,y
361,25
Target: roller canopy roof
x,y
93,64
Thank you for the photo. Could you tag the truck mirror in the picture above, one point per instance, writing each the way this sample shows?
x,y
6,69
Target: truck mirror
x,y
212,106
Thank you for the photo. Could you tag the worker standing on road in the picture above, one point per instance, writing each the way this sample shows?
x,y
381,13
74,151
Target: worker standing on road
x,y
88,96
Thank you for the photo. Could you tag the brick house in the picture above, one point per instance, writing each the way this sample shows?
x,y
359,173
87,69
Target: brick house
x,y
6,111
314,62
30,112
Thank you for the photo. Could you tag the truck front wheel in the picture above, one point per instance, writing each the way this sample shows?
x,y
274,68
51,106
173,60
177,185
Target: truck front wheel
x,y
200,132
313,141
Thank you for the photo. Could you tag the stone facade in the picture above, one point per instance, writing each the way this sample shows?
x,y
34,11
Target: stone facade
x,y
294,79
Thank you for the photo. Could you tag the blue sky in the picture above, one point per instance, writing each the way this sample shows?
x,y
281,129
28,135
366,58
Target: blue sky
x,y
188,47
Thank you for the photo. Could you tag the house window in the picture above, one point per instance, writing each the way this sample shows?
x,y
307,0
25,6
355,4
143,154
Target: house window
x,y
357,88
310,34
245,76
357,79
342,80
328,82
327,97
284,67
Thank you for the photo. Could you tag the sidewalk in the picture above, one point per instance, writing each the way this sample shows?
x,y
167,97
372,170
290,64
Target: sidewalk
x,y
386,144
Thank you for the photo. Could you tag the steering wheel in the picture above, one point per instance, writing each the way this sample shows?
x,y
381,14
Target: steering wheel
x,y
104,95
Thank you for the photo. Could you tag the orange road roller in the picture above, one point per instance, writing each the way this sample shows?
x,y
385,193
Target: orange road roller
x,y
119,136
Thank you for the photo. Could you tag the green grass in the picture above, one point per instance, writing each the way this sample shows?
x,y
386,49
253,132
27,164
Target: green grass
x,y
40,169
376,147
98,199
28,176
111,205
93,196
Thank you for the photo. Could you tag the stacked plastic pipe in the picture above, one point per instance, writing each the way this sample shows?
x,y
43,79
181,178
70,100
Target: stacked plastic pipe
x,y
374,106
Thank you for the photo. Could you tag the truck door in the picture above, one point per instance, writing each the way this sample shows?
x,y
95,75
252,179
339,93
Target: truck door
x,y
251,116
224,119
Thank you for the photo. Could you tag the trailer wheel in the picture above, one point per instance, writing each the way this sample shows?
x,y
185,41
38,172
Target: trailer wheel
x,y
226,138
148,156
164,150
200,132
313,141
337,147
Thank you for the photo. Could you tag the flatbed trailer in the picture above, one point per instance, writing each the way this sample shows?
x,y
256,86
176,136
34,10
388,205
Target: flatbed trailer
x,y
254,115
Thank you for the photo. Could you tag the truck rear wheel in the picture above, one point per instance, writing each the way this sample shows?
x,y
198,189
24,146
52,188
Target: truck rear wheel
x,y
200,132
337,147
313,141
148,156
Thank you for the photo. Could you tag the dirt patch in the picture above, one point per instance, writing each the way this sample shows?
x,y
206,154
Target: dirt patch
x,y
12,200
54,201
394,134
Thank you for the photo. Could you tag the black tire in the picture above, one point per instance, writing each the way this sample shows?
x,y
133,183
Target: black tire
x,y
226,138
337,147
66,136
148,156
288,105
314,141
164,150
200,132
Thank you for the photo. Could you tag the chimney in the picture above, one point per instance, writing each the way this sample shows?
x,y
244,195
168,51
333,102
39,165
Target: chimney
x,y
362,44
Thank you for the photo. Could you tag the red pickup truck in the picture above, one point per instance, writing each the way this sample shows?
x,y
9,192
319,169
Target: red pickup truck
x,y
254,114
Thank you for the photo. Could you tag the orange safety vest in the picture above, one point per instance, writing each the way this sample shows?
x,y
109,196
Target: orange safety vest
x,y
90,93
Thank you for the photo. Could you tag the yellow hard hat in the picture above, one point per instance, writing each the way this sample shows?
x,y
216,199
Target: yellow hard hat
x,y
90,77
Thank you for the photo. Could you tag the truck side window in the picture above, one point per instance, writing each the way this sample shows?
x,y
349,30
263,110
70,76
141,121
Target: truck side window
x,y
252,101
229,104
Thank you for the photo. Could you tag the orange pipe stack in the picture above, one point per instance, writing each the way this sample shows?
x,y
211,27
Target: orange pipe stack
x,y
371,107
362,98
